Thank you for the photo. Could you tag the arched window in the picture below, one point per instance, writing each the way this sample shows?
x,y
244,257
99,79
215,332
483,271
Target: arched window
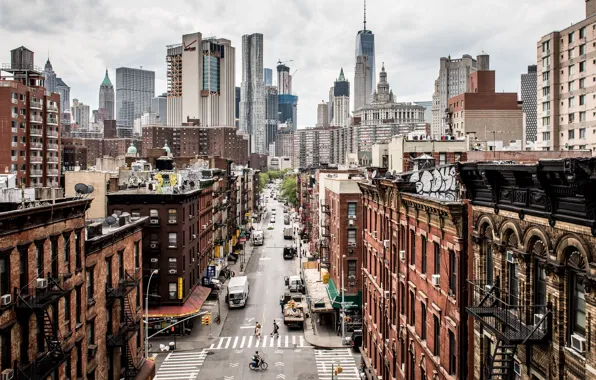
x,y
577,303
538,251
512,271
488,255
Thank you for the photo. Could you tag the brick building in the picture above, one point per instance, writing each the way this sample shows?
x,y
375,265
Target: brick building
x,y
99,147
74,156
29,123
533,273
414,266
484,113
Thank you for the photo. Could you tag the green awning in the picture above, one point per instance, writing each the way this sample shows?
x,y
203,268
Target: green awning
x,y
353,301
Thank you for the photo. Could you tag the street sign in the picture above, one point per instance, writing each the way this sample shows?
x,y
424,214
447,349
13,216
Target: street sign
x,y
211,271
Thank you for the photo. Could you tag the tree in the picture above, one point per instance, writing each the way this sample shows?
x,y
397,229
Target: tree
x,y
263,181
288,189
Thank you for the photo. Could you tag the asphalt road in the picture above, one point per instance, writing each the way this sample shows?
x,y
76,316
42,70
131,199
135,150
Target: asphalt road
x,y
289,357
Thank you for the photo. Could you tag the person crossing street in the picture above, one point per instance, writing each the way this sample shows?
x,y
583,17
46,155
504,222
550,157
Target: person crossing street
x,y
275,330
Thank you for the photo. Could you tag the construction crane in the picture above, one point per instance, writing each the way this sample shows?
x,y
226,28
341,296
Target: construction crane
x,y
279,62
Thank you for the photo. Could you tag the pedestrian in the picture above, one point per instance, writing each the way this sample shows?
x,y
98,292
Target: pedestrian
x,y
281,304
275,330
258,330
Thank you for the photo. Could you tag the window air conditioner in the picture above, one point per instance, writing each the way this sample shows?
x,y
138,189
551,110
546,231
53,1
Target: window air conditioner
x,y
436,279
7,374
6,300
386,294
42,283
374,233
194,236
154,221
204,226
510,257
154,259
172,271
537,318
578,343
171,221
386,243
351,216
350,222
153,245
402,255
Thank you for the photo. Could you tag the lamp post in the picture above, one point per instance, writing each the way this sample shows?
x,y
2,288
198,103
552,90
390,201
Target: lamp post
x,y
147,315
343,303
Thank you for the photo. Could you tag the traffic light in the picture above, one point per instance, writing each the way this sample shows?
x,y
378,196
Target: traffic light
x,y
206,319
338,370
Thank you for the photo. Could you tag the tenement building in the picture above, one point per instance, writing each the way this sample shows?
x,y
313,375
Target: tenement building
x,y
414,269
533,288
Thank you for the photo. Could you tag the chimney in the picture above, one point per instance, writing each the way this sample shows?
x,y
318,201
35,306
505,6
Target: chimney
x,y
590,7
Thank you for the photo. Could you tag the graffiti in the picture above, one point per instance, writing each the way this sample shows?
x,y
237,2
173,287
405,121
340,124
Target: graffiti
x,y
440,183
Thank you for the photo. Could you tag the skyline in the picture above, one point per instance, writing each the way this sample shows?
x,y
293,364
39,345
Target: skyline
x,y
408,40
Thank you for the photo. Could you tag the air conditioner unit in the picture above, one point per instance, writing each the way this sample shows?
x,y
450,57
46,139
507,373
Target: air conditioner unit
x,y
351,216
42,283
194,236
171,221
510,258
154,221
436,279
537,318
365,230
386,243
374,233
387,294
402,255
204,226
8,374
578,343
92,350
172,271
153,245
351,244
350,222
154,259
5,300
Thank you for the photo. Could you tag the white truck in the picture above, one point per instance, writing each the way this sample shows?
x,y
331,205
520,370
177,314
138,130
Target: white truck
x,y
257,237
238,290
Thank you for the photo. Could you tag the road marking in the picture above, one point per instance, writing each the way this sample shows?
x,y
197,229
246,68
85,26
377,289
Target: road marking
x,y
234,365
327,359
279,351
181,365
247,327
280,376
265,258
235,341
241,342
239,351
279,364
228,377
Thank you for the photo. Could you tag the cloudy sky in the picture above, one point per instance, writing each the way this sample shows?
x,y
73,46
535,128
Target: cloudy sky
x,y
84,37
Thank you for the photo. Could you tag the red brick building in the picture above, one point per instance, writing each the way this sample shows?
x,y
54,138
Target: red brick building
x,y
415,263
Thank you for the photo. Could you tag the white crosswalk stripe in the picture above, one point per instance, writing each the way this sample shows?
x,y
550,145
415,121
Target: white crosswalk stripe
x,y
181,366
328,359
266,341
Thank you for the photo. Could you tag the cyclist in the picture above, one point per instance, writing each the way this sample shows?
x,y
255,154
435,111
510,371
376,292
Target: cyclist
x,y
256,359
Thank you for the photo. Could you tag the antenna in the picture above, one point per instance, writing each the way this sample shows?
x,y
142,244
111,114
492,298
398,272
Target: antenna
x,y
364,14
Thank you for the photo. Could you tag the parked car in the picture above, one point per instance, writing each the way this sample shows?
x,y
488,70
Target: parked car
x,y
355,340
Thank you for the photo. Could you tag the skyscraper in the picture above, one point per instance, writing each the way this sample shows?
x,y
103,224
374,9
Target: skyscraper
x,y
64,90
134,90
237,108
452,81
322,114
159,106
365,45
252,102
106,99
330,104
288,103
284,79
268,76
529,94
174,76
341,101
50,78
271,117
361,82
80,114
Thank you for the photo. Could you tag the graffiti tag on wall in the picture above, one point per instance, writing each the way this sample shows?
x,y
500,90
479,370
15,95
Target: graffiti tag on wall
x,y
439,183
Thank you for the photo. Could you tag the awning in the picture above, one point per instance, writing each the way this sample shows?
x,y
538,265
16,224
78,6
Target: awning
x,y
352,301
192,305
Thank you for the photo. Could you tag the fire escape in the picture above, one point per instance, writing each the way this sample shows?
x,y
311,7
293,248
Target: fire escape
x,y
325,234
129,323
512,325
36,300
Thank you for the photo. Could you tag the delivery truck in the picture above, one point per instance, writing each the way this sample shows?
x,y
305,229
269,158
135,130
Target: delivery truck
x,y
238,290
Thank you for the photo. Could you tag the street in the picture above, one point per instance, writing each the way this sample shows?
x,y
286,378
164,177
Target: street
x,y
289,356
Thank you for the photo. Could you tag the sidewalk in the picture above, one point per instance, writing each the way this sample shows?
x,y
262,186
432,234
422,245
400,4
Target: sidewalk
x,y
203,336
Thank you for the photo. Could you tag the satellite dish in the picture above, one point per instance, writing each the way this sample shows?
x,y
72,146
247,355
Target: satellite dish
x,y
81,189
192,183
110,220
90,188
374,173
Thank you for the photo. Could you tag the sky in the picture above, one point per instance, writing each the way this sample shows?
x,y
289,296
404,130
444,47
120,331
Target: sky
x,y
84,37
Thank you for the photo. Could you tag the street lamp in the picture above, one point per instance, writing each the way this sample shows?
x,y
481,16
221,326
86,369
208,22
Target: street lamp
x,y
147,315
343,303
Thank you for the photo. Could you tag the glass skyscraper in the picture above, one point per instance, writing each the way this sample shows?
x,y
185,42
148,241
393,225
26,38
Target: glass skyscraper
x,y
134,90
365,45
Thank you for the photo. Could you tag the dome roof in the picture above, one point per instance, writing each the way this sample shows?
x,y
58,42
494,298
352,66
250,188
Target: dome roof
x,y
167,148
132,149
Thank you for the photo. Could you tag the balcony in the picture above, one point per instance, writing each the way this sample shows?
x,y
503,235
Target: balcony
x,y
45,292
124,287
128,327
35,105
52,108
52,121
52,159
52,171
51,133
36,119
52,146
36,159
36,173
15,115
36,132
513,324
36,145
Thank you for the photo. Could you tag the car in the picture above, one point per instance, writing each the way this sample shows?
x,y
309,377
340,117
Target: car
x,y
355,340
272,220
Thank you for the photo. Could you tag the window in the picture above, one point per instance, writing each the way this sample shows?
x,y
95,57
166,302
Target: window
x,y
582,100
172,215
546,121
582,49
79,361
570,38
423,249
39,259
78,304
172,289
489,258
91,332
78,257
571,118
545,91
545,106
137,255
540,293
402,295
351,270
571,134
513,277
351,208
172,237
582,131
452,273
582,66
546,75
436,336
67,311
90,283
121,265
571,69
442,158
571,100
546,61
582,83
412,247
67,252
545,46
423,321
571,86
153,213
437,247
569,54
172,265
5,275
578,305
452,354
6,349
412,308
352,237
109,272
582,32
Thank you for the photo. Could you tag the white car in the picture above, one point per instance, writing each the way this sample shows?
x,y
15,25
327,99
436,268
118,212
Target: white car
x,y
272,220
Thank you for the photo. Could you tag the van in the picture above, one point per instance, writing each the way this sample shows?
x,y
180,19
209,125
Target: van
x,y
294,283
288,233
238,290
257,237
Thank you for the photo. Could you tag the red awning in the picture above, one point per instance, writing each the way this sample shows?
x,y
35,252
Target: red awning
x,y
192,305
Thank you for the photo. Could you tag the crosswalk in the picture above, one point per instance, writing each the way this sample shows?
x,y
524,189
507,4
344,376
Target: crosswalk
x,y
181,366
327,360
241,342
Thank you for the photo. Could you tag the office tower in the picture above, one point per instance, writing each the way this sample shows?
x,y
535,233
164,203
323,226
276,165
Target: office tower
x,y
268,76
29,123
106,99
174,78
341,101
323,114
64,90
365,45
271,117
134,90
159,106
284,79
428,113
80,114
252,102
50,78
237,107
452,81
288,110
361,82
529,89
330,103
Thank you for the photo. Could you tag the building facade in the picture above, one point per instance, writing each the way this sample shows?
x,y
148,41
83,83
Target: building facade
x,y
414,268
268,77
452,81
159,106
134,90
529,93
564,97
64,90
365,46
313,147
284,79
341,101
252,102
80,114
362,87
174,78
106,99
322,115
531,239
49,78
284,144
271,115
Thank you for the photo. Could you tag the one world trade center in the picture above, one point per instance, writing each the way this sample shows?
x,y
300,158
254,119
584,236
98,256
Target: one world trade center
x,y
365,45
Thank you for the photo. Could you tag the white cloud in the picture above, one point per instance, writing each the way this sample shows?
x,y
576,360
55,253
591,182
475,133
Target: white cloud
x,y
85,36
